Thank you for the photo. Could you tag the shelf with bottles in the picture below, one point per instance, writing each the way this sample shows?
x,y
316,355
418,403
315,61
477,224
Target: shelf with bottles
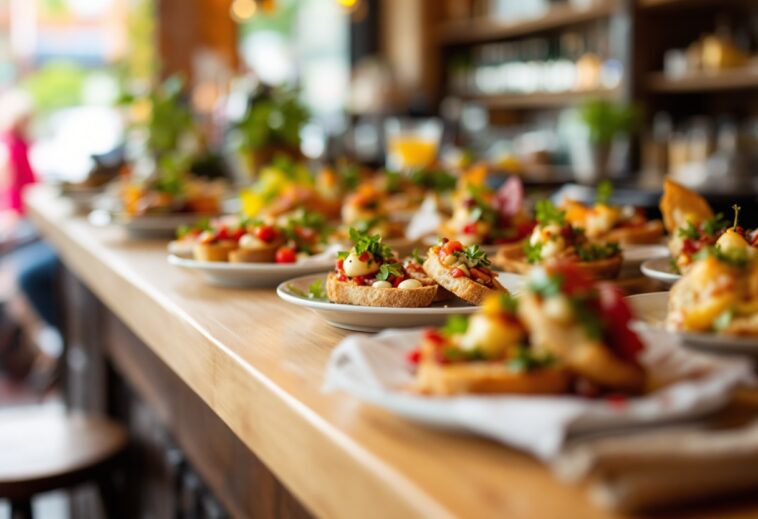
x,y
521,18
541,100
741,78
537,72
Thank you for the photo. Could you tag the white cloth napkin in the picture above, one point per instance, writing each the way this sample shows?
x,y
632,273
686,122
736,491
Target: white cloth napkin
x,y
373,368
426,221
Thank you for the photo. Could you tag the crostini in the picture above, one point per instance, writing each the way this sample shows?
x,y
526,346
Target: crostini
x,y
719,292
414,267
605,223
690,222
554,238
486,353
585,325
485,217
370,274
464,271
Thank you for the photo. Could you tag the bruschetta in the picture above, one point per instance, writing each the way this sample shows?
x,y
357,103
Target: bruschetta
x,y
554,238
370,274
464,271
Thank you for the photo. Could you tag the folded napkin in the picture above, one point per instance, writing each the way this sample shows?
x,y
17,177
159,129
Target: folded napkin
x,y
426,221
666,467
373,368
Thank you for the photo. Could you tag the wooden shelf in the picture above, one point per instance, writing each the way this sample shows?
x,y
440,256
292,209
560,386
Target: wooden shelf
x,y
734,79
488,29
686,4
539,100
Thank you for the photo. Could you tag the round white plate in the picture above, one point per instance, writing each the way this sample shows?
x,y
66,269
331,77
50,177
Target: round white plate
x,y
248,275
373,319
651,310
150,226
660,269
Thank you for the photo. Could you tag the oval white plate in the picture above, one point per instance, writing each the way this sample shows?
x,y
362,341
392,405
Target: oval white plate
x,y
248,275
651,310
151,226
372,319
660,269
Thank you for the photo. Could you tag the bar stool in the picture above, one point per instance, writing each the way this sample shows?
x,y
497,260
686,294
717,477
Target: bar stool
x,y
42,451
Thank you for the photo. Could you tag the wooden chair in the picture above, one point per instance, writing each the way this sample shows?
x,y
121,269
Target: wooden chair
x,y
41,450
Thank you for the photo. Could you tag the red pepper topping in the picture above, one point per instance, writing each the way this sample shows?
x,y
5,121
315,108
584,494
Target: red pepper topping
x,y
340,264
469,228
359,280
457,273
414,356
434,336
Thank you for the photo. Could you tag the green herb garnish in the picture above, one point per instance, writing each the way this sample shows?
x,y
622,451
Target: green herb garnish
x,y
389,269
526,360
597,251
416,257
533,252
723,321
476,257
547,213
316,290
604,192
715,224
455,325
371,244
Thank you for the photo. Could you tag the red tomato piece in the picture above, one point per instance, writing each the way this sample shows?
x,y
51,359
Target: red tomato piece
x,y
286,255
266,233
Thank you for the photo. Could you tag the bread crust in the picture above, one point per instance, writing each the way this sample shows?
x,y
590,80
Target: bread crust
x,y
214,252
262,255
511,258
569,343
349,294
463,287
488,377
679,203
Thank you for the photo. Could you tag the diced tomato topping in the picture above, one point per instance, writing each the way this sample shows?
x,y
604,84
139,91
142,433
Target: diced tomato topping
x,y
239,232
457,273
286,255
398,279
342,277
340,264
469,228
575,281
617,315
452,246
434,337
359,280
266,233
222,234
690,246
414,356
524,229
305,233
617,401
364,256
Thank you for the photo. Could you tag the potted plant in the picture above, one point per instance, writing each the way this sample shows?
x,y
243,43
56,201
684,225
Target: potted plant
x,y
605,122
270,126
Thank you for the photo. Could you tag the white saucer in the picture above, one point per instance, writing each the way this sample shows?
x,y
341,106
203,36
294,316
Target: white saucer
x,y
660,269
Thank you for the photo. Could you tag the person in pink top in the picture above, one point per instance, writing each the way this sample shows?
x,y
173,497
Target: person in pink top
x,y
15,116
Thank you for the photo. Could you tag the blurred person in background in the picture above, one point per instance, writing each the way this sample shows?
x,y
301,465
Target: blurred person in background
x,y
29,341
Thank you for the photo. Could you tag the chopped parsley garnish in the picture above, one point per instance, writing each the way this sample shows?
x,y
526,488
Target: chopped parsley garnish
x,y
389,269
437,180
604,192
533,252
525,360
316,290
476,257
689,231
597,251
202,225
715,224
547,213
455,325
371,244
587,317
453,354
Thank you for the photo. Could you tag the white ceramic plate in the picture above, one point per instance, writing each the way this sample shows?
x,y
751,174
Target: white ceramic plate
x,y
651,310
660,269
248,275
152,226
373,319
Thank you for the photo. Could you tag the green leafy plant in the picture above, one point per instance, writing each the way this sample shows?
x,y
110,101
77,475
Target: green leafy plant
x,y
606,120
273,119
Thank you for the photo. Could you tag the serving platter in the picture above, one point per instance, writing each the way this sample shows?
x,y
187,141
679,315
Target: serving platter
x,y
651,310
373,319
250,275
660,269
149,226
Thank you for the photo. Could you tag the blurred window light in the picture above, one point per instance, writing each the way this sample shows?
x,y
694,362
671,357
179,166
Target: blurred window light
x,y
243,10
89,8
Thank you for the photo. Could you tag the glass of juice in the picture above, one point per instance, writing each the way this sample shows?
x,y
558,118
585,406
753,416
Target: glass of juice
x,y
412,143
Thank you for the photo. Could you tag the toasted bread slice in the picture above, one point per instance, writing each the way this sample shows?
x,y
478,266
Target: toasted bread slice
x,y
262,255
214,251
349,294
680,205
463,287
442,293
488,377
647,234
511,258
570,344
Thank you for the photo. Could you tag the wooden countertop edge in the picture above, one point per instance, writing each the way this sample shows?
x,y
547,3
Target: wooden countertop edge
x,y
367,478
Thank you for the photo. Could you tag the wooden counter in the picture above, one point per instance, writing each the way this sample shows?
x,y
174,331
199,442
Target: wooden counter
x,y
258,363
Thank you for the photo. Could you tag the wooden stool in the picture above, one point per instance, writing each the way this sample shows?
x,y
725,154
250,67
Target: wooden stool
x,y
43,450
